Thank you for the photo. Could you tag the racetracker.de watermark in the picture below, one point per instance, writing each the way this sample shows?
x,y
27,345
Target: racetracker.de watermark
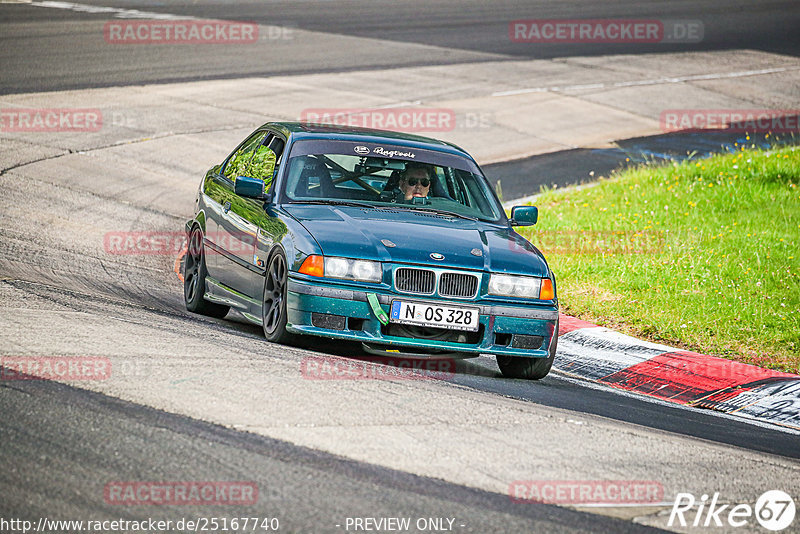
x,y
331,368
173,32
147,243
135,493
50,120
605,31
55,368
406,119
731,120
588,492
600,242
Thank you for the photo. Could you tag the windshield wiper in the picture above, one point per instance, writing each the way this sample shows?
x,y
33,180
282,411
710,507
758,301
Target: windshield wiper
x,y
337,203
352,203
445,212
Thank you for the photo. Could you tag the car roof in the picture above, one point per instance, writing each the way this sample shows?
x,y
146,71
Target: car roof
x,y
303,130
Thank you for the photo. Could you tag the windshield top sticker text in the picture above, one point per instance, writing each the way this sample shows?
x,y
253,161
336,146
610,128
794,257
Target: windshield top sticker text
x,y
394,153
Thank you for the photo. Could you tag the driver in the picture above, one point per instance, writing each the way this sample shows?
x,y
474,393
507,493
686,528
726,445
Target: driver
x,y
415,181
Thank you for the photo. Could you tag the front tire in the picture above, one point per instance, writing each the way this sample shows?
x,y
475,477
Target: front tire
x,y
194,279
273,307
529,368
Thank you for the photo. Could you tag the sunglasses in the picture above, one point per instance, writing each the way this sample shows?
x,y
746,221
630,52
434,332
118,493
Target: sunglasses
x,y
424,182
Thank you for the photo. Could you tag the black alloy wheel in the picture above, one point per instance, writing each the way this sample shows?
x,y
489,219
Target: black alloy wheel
x,y
273,309
194,279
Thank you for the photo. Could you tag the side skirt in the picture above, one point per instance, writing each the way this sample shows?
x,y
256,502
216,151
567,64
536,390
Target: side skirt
x,y
222,294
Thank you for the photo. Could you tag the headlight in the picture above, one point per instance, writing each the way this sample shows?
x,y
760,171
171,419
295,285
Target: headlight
x,y
337,267
514,286
367,270
362,270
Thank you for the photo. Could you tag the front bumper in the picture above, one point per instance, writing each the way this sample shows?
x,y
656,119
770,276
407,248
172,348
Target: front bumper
x,y
501,324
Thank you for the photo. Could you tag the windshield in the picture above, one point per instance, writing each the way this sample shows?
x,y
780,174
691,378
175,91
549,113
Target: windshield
x,y
339,172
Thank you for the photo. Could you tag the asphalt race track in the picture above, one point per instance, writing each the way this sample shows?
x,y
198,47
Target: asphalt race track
x,y
308,491
38,54
198,399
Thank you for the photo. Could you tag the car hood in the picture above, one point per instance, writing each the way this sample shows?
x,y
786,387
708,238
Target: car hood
x,y
369,233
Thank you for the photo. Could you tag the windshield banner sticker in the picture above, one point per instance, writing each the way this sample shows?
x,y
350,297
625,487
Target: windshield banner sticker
x,y
394,153
305,147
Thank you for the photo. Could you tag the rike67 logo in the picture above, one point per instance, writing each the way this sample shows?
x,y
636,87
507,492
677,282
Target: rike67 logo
x,y
774,510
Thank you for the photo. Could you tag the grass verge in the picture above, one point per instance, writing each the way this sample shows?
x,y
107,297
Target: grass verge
x,y
702,255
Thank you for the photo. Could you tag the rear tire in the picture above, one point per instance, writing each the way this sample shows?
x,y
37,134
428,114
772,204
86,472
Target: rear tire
x,y
529,368
194,279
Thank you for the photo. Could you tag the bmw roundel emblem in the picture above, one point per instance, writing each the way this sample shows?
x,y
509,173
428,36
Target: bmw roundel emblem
x,y
436,256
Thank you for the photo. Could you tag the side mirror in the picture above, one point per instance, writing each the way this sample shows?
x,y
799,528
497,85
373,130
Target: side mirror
x,y
245,186
524,215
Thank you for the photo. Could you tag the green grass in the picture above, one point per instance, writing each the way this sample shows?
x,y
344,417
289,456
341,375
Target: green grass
x,y
701,255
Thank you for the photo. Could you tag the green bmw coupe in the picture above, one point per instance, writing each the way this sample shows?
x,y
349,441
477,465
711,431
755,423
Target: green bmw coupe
x,y
392,240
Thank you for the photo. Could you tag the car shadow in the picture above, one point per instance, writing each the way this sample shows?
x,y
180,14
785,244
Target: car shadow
x,y
369,365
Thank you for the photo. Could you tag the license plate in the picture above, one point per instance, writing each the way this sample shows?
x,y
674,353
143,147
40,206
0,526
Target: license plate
x,y
424,314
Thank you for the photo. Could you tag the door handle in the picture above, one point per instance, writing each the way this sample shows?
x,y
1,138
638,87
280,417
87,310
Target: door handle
x,y
226,207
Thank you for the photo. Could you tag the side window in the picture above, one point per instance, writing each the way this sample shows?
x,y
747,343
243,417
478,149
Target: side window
x,y
266,158
237,164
